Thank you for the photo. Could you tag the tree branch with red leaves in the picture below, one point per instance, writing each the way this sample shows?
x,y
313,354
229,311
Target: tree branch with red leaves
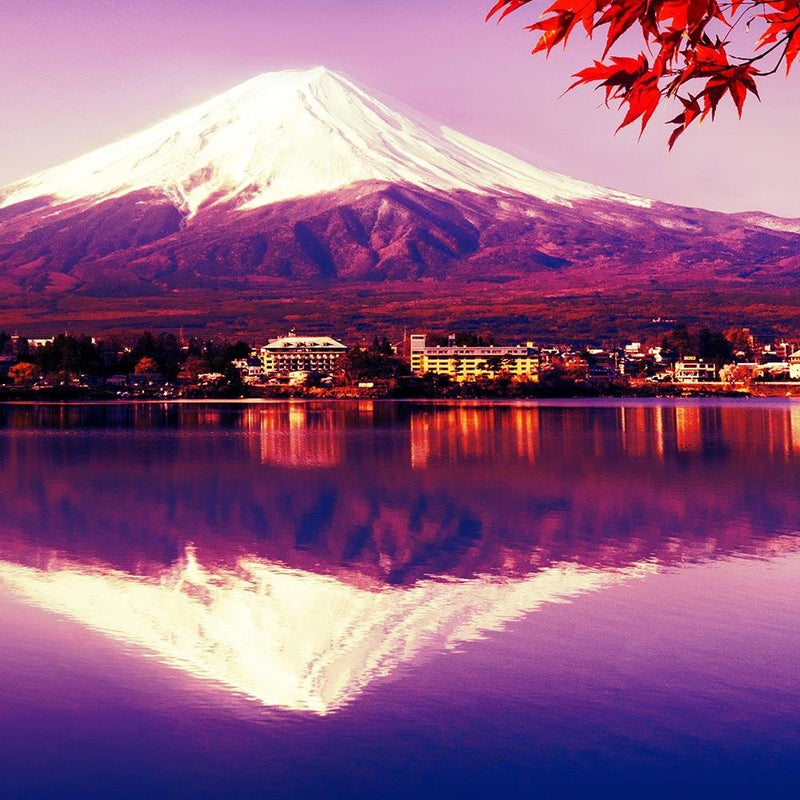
x,y
688,53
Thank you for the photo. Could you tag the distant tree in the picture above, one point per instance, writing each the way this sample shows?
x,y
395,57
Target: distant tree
x,y
737,374
24,373
496,364
49,356
69,355
704,343
195,347
359,364
145,346
382,345
195,366
237,350
146,366
713,346
168,355
463,339
474,340
211,356
23,350
679,341
741,340
164,349
588,357
114,357
695,51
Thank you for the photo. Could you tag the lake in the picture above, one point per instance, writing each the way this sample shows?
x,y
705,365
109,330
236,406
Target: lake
x,y
400,600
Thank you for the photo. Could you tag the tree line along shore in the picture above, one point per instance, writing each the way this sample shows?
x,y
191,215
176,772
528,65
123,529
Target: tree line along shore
x,y
166,365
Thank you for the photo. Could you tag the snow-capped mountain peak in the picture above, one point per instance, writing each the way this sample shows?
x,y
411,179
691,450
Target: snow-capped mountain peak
x,y
293,134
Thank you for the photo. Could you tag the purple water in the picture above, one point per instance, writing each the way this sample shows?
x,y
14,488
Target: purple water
x,y
400,600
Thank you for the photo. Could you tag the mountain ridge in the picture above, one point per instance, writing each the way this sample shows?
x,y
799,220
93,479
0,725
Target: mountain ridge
x,y
300,181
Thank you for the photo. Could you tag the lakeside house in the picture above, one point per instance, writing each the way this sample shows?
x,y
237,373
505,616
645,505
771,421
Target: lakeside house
x,y
694,370
251,369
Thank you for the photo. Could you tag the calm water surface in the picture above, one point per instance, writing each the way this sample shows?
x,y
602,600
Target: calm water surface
x,y
379,600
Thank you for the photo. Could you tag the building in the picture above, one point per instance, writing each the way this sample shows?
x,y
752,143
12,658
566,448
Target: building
x,y
301,354
469,363
693,370
794,366
778,351
601,366
251,369
633,360
36,343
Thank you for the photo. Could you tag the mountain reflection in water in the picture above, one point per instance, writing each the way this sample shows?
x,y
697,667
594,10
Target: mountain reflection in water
x,y
289,639
297,552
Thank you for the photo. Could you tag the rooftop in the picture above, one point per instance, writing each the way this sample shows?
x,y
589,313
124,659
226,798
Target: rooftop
x,y
304,343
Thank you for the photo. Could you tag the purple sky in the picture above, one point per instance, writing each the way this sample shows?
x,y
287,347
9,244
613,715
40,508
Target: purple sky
x,y
86,72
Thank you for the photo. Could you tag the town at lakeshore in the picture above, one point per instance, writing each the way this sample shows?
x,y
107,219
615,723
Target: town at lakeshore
x,y
682,361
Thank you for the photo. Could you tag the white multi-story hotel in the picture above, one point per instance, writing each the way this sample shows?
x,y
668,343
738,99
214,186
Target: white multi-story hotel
x,y
301,354
468,363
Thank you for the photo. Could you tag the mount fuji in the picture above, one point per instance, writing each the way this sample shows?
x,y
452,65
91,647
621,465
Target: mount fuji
x,y
301,182
288,135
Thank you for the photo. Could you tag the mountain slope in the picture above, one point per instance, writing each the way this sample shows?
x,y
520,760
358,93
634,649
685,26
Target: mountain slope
x,y
301,181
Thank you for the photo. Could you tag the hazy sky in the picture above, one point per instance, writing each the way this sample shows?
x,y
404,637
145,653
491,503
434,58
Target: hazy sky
x,y
78,74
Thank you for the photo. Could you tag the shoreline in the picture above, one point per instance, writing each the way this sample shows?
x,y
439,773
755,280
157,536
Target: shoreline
x,y
443,402
454,392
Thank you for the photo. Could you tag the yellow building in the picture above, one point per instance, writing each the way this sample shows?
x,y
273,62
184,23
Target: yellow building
x,y
469,363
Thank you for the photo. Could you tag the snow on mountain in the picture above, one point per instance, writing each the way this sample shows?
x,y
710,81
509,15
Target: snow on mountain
x,y
294,134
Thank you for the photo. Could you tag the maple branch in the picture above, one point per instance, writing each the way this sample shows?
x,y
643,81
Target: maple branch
x,y
678,38
787,41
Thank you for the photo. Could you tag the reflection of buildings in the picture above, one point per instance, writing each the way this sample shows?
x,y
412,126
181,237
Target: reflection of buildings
x,y
399,491
303,434
314,433
635,431
646,431
465,432
688,429
794,430
291,639
692,429
296,434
